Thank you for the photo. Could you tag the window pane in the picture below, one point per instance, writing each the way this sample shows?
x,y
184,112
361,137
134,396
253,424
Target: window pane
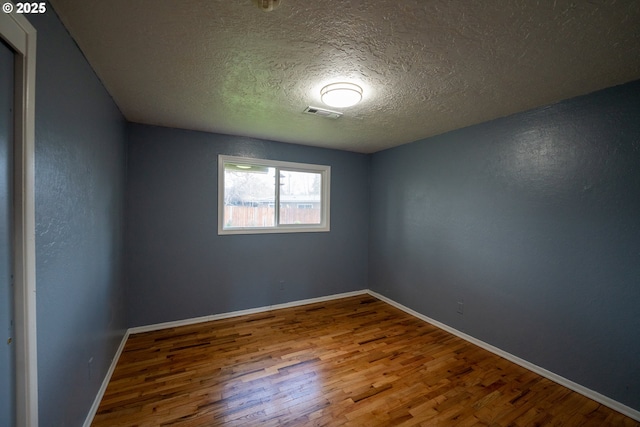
x,y
258,196
300,197
249,195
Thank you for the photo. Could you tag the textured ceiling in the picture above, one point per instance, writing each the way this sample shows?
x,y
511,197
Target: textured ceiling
x,y
426,66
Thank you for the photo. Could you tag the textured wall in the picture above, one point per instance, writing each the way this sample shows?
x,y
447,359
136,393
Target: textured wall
x,y
177,265
80,149
533,222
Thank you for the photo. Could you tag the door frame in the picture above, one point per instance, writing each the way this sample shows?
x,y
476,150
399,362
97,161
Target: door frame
x,y
21,36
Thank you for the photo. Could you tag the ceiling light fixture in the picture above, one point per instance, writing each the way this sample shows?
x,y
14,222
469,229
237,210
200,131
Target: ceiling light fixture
x,y
267,5
341,95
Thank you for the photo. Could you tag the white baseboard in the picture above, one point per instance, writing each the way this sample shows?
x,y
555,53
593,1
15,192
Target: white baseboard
x,y
209,318
606,401
105,382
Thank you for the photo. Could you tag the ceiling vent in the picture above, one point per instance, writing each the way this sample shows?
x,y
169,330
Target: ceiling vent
x,y
322,112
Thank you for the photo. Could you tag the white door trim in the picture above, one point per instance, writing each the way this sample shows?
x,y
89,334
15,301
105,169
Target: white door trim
x,y
21,36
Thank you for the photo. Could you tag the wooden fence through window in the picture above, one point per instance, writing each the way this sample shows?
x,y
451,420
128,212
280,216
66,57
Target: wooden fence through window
x,y
263,216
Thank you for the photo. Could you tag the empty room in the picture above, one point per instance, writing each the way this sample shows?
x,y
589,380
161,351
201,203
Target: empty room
x,y
334,213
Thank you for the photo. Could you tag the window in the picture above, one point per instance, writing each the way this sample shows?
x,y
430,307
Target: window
x,y
267,196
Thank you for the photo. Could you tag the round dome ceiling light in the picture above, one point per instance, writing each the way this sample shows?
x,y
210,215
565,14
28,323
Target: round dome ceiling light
x,y
341,95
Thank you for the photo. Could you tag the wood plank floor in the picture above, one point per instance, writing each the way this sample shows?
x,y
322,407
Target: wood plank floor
x,y
350,362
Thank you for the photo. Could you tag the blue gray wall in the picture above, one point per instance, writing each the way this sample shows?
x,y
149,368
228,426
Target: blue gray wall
x,y
177,265
80,163
533,222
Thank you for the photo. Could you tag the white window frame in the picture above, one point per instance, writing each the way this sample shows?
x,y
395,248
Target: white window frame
x,y
325,189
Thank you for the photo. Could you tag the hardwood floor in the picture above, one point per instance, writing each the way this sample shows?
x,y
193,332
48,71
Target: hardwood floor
x,y
350,362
